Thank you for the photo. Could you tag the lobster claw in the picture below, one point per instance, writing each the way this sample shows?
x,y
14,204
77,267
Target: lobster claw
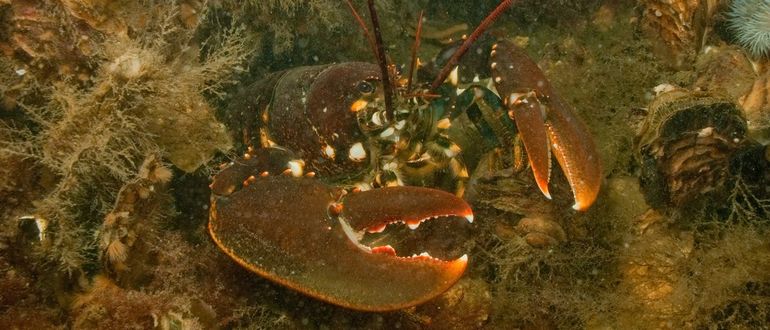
x,y
529,115
546,124
303,234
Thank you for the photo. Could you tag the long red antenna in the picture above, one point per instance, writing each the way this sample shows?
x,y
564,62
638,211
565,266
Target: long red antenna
x,y
361,23
483,26
382,61
415,47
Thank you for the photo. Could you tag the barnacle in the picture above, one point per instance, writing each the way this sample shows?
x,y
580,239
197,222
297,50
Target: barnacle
x,y
677,24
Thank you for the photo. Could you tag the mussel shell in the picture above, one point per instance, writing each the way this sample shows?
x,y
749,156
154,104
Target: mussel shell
x,y
685,146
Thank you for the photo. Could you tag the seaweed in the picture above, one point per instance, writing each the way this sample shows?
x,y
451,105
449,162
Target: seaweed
x,y
81,137
144,98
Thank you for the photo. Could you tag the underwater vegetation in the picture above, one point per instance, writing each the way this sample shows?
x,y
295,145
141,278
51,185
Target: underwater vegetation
x,y
144,96
114,121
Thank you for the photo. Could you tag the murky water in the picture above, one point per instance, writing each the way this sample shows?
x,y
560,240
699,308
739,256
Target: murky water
x,y
219,164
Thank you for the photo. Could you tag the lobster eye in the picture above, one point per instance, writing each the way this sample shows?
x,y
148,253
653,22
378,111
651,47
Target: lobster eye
x,y
365,87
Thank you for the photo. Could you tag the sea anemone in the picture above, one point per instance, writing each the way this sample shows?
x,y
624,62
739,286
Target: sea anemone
x,y
749,21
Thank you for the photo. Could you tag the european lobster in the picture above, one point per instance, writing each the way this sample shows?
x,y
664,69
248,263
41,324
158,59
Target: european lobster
x,y
342,149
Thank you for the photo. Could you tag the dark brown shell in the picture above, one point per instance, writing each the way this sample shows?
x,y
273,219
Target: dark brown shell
x,y
685,146
305,109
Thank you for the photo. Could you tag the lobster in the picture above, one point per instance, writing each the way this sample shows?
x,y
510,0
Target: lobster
x,y
339,150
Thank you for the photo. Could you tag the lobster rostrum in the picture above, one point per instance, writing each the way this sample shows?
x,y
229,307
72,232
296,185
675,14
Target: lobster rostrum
x,y
336,151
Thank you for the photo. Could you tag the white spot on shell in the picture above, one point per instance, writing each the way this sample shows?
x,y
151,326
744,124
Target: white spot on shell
x,y
515,98
452,151
454,78
329,151
363,186
357,152
296,167
388,132
376,119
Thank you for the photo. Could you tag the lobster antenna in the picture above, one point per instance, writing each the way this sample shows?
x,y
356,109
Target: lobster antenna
x,y
382,61
416,46
468,42
361,23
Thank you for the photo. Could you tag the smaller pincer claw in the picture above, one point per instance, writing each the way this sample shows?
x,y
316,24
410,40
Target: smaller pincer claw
x,y
547,125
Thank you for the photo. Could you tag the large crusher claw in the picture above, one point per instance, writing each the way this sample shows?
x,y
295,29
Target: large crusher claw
x,y
304,234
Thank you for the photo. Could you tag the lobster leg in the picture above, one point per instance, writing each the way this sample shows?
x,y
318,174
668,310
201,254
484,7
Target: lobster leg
x,y
546,124
490,117
487,113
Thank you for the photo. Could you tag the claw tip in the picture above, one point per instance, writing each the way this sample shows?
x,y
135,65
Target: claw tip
x,y
542,184
469,217
578,206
